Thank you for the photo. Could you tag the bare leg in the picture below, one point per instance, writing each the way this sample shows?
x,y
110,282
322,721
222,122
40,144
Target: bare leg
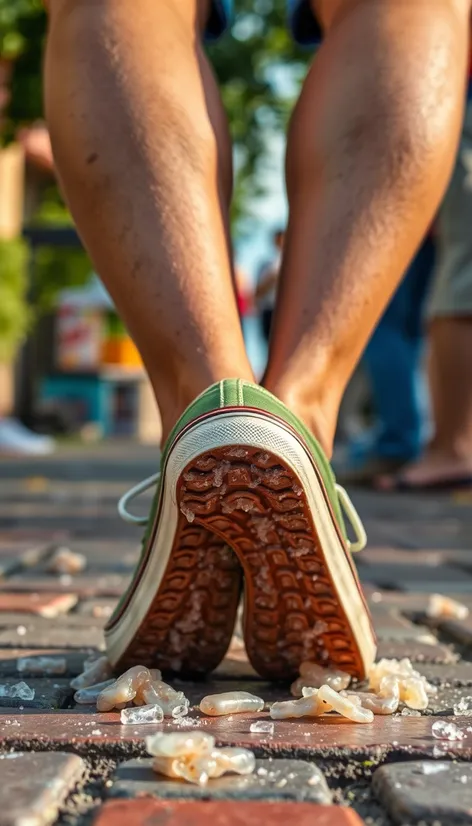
x,y
370,150
449,456
143,151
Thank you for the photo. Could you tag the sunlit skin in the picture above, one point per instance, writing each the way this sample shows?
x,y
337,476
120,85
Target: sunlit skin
x,y
142,148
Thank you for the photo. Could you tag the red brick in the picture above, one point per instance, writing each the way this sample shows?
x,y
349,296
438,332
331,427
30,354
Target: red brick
x,y
222,813
45,604
301,738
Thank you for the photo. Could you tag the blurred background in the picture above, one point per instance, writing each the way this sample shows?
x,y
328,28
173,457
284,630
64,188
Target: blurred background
x,y
68,370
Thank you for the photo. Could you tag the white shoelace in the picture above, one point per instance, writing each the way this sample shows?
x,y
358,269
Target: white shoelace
x,y
344,500
131,494
354,520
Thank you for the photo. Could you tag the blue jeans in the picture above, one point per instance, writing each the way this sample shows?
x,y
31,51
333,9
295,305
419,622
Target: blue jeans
x,y
392,360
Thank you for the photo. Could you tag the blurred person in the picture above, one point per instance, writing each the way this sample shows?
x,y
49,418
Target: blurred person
x,y
18,440
446,463
243,292
393,363
265,294
36,144
143,151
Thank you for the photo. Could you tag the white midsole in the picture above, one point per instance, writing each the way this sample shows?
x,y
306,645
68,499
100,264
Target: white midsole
x,y
227,429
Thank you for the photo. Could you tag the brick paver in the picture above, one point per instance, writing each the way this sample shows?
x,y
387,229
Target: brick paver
x,y
33,786
418,652
34,634
48,693
222,813
277,779
9,657
426,791
302,738
105,585
460,630
421,547
43,604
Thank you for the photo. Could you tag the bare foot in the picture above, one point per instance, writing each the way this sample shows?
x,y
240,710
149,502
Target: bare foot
x,y
436,467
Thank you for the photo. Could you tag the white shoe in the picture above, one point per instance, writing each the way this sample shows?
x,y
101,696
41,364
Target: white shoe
x,y
16,439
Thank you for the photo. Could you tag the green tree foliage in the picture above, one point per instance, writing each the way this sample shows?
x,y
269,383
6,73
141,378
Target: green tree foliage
x,y
14,315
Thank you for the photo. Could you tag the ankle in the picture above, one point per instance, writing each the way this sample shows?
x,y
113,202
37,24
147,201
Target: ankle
x,y
456,449
318,413
175,393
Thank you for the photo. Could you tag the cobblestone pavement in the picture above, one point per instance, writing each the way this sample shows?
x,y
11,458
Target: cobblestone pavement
x,y
66,764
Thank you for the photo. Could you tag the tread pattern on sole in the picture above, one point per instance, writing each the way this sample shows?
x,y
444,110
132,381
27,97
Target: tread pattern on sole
x,y
189,625
292,612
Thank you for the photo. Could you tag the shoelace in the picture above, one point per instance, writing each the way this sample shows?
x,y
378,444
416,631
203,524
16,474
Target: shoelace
x,y
343,496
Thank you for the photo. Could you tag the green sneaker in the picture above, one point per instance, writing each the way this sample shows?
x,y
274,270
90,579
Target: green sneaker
x,y
241,469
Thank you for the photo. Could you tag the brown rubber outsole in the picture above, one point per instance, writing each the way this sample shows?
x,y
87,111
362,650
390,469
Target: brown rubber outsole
x,y
189,625
256,505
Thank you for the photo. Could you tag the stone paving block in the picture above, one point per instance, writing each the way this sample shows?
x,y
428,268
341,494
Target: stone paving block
x,y
445,578
458,674
18,555
390,625
100,608
276,779
31,537
441,531
221,813
79,521
406,634
71,620
418,652
51,693
409,603
458,630
44,604
9,660
34,786
443,703
108,585
462,558
396,556
426,791
108,556
51,635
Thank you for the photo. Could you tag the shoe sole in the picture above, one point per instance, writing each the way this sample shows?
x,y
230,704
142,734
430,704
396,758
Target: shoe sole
x,y
248,478
181,613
